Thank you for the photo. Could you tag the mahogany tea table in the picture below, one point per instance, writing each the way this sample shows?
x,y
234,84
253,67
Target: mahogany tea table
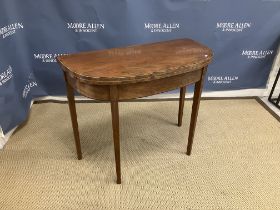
x,y
133,72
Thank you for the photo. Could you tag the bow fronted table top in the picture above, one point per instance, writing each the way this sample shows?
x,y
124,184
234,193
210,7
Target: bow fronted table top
x,y
137,63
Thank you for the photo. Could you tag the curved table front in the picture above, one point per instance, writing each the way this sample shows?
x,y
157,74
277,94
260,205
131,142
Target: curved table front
x,y
133,72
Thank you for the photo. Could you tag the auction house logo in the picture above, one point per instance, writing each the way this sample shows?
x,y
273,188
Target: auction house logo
x,y
233,27
187,50
222,79
256,54
30,84
10,29
47,58
6,75
86,27
124,52
161,27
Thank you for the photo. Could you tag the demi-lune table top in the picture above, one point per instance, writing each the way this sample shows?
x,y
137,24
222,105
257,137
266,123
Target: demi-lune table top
x,y
137,63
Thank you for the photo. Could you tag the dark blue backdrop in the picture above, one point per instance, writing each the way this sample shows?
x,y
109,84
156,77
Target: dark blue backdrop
x,y
242,34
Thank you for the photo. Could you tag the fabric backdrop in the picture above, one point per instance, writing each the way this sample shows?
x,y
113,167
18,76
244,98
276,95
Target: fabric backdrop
x,y
242,34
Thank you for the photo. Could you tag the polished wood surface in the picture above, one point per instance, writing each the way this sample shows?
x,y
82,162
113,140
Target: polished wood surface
x,y
116,129
133,72
137,63
141,89
195,106
135,90
181,105
73,114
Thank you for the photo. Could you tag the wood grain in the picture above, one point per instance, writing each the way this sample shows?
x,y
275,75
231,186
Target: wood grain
x,y
195,107
137,63
181,105
73,114
116,129
135,90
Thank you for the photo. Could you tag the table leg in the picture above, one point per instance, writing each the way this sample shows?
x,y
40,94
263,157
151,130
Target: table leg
x,y
72,108
115,125
181,105
195,107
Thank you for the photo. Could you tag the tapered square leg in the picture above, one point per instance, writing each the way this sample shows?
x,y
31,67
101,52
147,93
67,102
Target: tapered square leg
x,y
181,105
195,107
72,108
116,133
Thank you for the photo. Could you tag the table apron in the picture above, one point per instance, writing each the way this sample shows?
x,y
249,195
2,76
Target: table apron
x,y
135,90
